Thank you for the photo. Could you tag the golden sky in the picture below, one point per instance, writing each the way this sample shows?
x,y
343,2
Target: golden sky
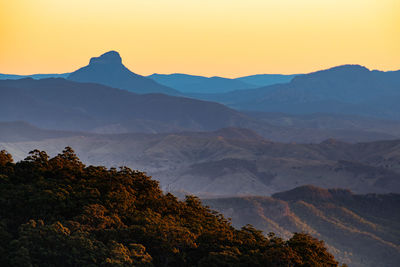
x,y
206,37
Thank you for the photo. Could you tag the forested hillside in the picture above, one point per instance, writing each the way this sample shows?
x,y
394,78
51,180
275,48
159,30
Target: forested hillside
x,y
360,230
59,212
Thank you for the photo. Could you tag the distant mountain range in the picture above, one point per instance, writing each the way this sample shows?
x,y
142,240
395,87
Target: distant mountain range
x,y
226,162
108,69
360,230
198,84
33,76
156,113
348,89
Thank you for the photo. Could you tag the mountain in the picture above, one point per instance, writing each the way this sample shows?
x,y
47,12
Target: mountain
x,y
348,89
199,84
360,230
260,80
226,162
109,70
33,76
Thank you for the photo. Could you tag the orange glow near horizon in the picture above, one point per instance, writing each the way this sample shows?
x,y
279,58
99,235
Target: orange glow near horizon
x,y
228,38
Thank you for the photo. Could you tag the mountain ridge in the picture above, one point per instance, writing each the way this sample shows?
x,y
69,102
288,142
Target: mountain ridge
x,y
370,221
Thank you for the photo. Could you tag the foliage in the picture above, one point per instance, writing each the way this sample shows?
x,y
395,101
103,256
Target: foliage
x,y
60,212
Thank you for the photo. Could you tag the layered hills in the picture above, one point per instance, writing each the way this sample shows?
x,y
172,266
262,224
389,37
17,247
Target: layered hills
x,y
227,162
360,230
66,105
346,90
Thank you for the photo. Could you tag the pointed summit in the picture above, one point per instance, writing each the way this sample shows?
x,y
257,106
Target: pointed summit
x,y
111,57
108,69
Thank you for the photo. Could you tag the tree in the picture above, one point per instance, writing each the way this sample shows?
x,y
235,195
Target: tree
x,y
5,158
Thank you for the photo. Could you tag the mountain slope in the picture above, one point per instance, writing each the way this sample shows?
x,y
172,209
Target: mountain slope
x,y
360,230
109,70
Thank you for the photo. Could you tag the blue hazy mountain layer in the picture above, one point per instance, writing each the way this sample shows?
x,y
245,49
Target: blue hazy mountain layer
x,y
198,84
209,85
33,76
347,89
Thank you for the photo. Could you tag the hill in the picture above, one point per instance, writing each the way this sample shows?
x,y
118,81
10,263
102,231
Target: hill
x,y
360,230
108,69
67,105
229,162
59,212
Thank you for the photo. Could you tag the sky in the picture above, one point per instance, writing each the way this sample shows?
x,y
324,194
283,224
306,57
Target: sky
x,y
227,38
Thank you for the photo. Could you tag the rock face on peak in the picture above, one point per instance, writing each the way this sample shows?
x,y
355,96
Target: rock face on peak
x,y
111,57
108,69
